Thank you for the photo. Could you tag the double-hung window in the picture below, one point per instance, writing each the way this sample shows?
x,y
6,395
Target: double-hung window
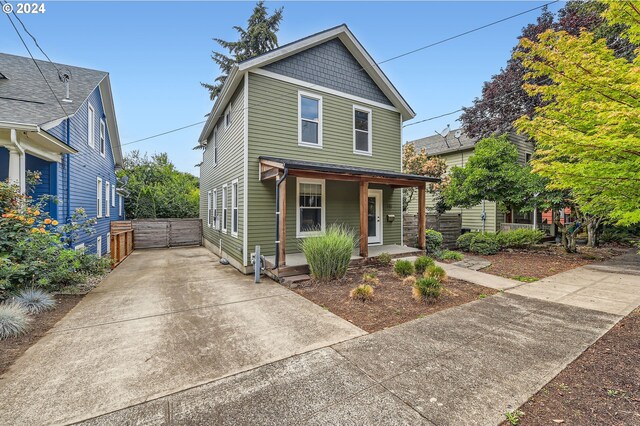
x,y
234,208
224,208
310,206
91,118
103,137
120,207
107,196
361,130
228,117
99,198
216,222
108,242
209,219
309,120
215,145
113,196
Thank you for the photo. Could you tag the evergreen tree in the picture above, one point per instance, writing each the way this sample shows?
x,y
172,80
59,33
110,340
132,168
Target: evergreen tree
x,y
259,37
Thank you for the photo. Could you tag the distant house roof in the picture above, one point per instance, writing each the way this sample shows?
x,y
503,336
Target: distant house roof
x,y
25,97
341,32
437,145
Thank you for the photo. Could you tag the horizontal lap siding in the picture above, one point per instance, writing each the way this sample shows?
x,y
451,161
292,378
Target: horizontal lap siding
x,y
229,167
273,131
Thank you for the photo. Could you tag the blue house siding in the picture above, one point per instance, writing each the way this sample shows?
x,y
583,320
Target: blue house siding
x,y
84,168
48,181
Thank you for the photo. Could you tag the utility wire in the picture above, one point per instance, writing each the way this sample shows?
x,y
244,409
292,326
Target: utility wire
x,y
36,64
389,60
35,41
166,133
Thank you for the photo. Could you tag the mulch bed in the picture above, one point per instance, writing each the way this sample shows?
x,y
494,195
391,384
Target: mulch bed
x,y
12,349
601,387
392,302
542,262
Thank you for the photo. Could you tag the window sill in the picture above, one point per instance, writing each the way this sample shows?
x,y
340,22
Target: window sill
x,y
234,234
310,145
365,153
310,234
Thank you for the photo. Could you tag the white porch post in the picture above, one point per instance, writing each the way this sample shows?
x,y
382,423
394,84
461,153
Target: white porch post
x,y
16,162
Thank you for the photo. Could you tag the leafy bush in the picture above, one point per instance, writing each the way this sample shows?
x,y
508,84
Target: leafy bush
x,y
625,235
409,281
35,300
329,255
520,238
363,292
433,241
485,244
464,241
14,320
450,255
384,259
427,289
403,268
436,272
370,278
422,263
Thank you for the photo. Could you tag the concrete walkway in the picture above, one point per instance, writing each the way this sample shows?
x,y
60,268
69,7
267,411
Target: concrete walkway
x,y
163,321
481,278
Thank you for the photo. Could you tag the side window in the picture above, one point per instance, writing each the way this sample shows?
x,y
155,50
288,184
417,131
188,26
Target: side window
x,y
224,208
99,197
107,195
209,208
103,138
108,242
234,208
91,119
361,130
310,207
215,145
216,222
99,246
527,157
309,120
228,116
113,196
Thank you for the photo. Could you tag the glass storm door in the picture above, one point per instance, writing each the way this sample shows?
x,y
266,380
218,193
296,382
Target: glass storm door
x,y
374,214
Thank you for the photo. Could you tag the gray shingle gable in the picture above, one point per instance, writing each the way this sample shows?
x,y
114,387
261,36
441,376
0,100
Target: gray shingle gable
x,y
331,65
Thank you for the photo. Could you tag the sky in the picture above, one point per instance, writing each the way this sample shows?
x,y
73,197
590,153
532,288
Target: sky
x,y
157,53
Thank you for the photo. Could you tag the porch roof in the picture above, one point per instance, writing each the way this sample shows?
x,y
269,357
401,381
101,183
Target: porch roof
x,y
343,172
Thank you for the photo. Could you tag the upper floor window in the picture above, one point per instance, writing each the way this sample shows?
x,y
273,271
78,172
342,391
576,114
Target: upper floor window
x,y
361,130
310,120
99,197
107,195
91,119
228,117
103,137
215,145
113,196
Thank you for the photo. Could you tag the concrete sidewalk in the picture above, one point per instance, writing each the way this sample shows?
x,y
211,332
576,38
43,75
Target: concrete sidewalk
x,y
481,278
464,366
163,321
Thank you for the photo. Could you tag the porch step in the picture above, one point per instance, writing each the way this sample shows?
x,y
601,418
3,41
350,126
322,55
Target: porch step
x,y
293,280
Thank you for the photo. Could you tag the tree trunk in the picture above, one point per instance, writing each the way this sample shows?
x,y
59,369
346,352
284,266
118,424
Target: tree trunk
x,y
592,232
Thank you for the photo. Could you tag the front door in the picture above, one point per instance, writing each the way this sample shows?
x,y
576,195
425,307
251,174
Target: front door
x,y
375,216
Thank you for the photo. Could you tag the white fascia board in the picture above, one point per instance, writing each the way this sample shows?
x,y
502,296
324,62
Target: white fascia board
x,y
230,85
112,123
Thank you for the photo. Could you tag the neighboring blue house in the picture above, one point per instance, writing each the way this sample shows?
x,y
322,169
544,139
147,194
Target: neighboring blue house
x,y
71,138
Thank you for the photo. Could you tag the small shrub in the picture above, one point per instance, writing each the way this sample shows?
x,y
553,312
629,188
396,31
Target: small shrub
x,y
409,281
426,289
485,243
433,241
14,320
403,268
524,279
363,293
384,259
513,417
482,296
35,300
422,263
520,238
370,278
464,241
436,272
450,255
329,255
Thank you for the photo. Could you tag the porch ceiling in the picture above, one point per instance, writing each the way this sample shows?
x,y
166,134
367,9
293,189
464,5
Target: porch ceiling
x,y
270,167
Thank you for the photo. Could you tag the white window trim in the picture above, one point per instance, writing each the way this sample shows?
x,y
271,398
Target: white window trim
x,y
228,113
215,146
113,195
370,127
99,246
108,242
216,222
107,194
120,207
209,208
319,99
99,197
225,209
103,138
79,247
234,206
323,208
91,118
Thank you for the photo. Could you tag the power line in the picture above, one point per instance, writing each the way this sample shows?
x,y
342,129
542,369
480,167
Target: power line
x,y
24,27
36,64
388,60
165,133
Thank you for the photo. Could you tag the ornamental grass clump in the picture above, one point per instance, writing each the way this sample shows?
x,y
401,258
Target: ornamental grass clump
x,y
427,289
436,272
404,268
384,259
422,263
409,281
363,293
370,278
14,320
329,255
35,300
450,255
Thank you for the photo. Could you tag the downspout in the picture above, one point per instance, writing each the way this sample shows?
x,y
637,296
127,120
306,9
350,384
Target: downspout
x,y
21,161
278,182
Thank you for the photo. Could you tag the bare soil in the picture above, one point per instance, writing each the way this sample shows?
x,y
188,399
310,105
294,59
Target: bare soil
x,y
12,349
541,262
392,302
601,387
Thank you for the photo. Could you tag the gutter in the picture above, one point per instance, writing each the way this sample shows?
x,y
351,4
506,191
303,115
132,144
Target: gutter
x,y
278,182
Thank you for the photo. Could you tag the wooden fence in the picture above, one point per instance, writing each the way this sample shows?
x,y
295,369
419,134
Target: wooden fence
x,y
157,233
448,224
121,243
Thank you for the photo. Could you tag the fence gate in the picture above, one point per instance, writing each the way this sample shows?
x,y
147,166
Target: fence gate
x,y
158,233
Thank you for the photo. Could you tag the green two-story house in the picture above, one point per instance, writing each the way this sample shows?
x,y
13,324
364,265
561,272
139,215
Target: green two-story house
x,y
299,138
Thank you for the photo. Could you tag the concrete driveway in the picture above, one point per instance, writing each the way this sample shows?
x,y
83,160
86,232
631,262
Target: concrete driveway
x,y
162,322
